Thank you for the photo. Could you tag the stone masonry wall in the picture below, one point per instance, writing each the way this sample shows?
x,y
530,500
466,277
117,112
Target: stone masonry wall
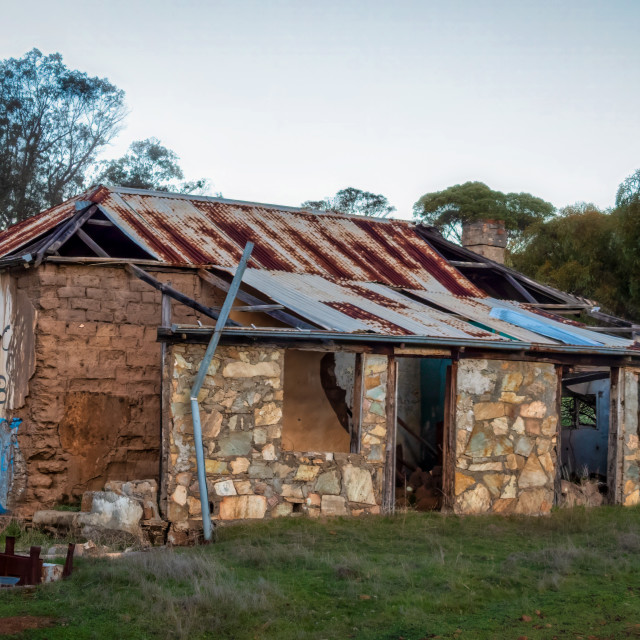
x,y
629,441
506,423
249,476
92,413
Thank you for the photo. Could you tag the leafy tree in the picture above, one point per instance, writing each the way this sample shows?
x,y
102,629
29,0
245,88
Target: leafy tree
x,y
148,165
576,251
627,215
629,190
53,122
355,202
449,209
590,252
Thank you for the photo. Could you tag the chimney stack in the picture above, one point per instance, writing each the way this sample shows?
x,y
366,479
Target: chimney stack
x,y
486,237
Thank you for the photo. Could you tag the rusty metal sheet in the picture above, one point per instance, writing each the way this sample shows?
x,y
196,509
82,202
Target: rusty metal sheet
x,y
200,230
478,310
352,306
31,229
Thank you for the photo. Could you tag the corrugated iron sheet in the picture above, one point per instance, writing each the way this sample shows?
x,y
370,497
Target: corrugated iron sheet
x,y
603,338
344,273
343,305
213,231
477,310
29,230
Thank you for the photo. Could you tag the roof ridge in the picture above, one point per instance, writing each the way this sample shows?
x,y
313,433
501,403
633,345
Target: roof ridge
x,y
229,201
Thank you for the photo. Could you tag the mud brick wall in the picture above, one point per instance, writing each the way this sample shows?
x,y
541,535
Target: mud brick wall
x,y
629,440
92,413
506,434
249,476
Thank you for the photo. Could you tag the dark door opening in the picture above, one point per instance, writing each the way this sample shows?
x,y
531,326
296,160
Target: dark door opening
x,y
584,436
422,388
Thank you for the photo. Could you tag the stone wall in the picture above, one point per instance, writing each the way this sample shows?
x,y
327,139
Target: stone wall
x,y
249,476
92,413
629,440
506,433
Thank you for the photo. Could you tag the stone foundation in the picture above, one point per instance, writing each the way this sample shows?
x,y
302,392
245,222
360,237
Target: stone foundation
x,y
506,433
249,475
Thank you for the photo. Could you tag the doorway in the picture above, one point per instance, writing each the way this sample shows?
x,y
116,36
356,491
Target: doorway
x,y
421,397
584,436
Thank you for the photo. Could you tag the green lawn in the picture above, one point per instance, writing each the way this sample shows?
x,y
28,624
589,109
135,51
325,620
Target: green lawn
x,y
575,574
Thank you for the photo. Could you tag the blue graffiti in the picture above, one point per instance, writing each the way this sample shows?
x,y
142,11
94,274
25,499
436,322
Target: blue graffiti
x,y
8,448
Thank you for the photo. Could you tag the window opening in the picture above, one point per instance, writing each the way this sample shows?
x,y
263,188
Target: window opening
x,y
318,401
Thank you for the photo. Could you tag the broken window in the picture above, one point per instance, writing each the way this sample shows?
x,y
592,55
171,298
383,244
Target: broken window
x,y
579,412
318,401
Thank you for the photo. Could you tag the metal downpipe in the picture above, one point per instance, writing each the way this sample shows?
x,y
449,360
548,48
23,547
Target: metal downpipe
x,y
197,385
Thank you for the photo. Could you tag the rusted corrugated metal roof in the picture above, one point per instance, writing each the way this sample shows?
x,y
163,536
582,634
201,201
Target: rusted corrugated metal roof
x,y
29,230
200,230
347,305
344,273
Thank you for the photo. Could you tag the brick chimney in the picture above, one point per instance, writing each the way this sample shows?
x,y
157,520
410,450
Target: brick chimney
x,y
486,237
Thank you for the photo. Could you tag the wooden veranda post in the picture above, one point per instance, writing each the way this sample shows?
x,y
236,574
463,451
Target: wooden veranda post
x,y
356,418
389,490
449,437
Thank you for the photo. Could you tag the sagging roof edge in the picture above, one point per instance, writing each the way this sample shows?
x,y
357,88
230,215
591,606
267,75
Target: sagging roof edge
x,y
431,235
180,333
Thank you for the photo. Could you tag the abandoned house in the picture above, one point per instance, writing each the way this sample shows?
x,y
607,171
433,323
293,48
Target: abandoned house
x,y
363,363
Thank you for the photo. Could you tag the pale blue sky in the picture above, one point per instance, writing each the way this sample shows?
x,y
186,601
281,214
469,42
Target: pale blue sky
x,y
286,100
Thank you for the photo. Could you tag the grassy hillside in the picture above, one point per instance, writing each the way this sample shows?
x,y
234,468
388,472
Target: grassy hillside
x,y
574,574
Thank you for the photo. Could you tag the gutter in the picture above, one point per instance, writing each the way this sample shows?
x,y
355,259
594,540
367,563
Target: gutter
x,y
319,335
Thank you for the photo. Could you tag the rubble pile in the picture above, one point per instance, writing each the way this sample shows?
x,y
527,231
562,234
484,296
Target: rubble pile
x,y
422,490
127,510
586,494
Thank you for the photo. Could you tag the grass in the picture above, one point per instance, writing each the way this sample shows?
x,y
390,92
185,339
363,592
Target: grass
x,y
575,574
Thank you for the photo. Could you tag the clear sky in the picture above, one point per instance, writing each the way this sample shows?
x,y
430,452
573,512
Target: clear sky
x,y
287,100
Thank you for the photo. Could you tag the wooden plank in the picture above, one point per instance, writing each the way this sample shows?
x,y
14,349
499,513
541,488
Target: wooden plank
x,y
449,437
546,305
614,424
614,329
389,488
518,287
557,479
101,223
64,232
259,307
68,563
356,414
165,310
282,316
176,295
92,244
422,352
461,264
580,378
609,319
421,440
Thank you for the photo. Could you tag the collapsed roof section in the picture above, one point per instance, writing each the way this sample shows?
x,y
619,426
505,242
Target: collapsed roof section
x,y
316,272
